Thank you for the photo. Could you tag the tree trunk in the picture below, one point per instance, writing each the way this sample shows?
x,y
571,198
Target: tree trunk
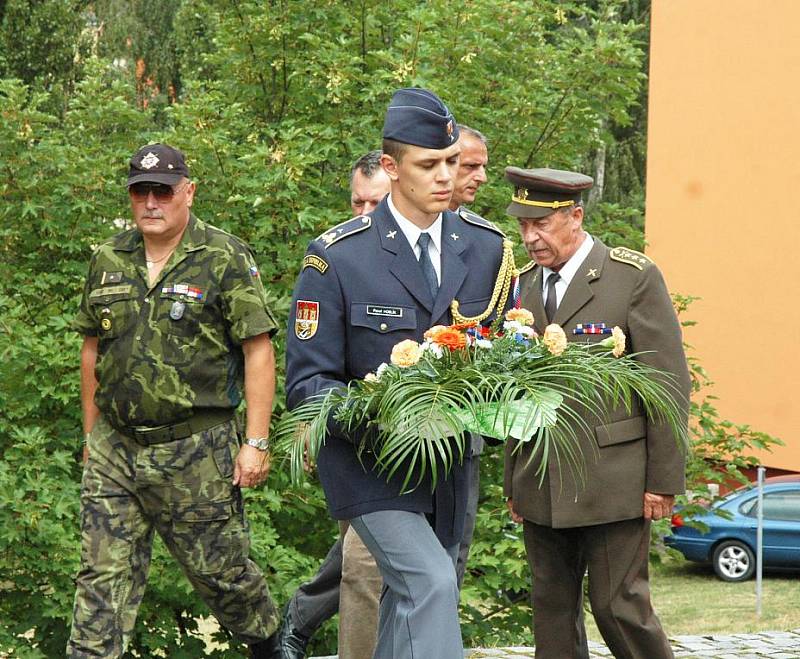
x,y
596,193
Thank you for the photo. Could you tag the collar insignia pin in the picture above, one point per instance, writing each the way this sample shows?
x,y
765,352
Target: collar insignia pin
x,y
592,273
391,234
454,236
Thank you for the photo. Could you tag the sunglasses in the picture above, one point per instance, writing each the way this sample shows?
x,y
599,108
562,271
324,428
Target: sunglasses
x,y
161,191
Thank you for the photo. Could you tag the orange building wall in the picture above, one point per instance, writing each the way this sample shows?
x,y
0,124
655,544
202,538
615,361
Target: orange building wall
x,y
723,206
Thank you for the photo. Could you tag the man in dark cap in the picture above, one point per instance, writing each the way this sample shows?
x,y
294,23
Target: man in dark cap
x,y
176,331
634,466
366,285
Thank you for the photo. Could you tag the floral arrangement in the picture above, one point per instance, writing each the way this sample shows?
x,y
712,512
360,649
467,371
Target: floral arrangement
x,y
503,382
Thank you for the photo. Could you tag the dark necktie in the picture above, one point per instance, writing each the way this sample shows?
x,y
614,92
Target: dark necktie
x,y
550,305
427,265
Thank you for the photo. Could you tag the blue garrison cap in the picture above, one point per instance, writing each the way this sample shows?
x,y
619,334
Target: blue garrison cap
x,y
418,116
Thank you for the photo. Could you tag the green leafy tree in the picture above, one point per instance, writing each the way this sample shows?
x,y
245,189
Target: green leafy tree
x,y
43,43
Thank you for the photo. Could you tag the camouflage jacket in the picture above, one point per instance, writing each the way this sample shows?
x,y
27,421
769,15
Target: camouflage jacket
x,y
167,349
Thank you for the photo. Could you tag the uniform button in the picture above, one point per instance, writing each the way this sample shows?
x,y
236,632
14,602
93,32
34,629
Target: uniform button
x,y
147,299
138,338
384,327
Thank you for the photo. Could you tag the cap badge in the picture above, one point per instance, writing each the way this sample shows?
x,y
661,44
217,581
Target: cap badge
x,y
522,193
149,161
450,130
306,319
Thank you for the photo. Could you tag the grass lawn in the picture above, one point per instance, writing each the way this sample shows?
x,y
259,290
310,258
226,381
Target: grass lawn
x,y
691,600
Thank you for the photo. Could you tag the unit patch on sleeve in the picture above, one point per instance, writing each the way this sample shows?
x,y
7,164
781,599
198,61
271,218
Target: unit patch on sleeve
x,y
306,319
316,262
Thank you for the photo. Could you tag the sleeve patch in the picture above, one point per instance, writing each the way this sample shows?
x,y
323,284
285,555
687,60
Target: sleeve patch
x,y
316,262
630,256
306,319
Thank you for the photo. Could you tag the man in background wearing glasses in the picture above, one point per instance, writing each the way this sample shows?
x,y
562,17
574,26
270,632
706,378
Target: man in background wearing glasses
x,y
176,331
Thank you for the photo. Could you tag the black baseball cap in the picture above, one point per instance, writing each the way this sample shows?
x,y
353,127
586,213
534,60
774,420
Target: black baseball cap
x,y
157,163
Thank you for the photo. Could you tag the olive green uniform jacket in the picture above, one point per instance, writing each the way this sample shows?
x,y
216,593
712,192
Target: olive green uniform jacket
x,y
626,453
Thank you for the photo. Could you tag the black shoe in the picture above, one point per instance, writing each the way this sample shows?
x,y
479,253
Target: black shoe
x,y
267,649
292,641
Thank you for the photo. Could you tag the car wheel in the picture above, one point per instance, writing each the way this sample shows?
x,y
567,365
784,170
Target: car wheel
x,y
734,561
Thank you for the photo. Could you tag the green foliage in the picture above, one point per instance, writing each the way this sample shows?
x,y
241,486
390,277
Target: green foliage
x,y
42,42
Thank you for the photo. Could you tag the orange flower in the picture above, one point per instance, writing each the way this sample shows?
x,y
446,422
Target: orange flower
x,y
463,326
406,353
554,339
450,338
521,315
432,333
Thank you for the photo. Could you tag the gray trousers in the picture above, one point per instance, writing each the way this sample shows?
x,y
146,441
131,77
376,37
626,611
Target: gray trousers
x,y
317,600
419,607
469,521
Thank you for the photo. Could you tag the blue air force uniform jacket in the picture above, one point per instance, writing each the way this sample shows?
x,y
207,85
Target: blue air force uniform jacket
x,y
361,290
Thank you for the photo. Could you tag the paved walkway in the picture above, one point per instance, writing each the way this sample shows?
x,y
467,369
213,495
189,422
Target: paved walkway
x,y
774,645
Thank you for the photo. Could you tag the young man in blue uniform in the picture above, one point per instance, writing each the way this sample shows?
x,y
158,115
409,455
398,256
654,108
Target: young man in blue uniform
x,y
366,285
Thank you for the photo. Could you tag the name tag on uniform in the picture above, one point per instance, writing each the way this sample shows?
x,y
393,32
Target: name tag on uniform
x,y
110,290
392,312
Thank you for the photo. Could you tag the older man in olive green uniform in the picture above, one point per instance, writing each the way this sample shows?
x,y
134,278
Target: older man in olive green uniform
x,y
633,466
176,328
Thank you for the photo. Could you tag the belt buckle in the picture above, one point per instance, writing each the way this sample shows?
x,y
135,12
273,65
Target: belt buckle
x,y
141,433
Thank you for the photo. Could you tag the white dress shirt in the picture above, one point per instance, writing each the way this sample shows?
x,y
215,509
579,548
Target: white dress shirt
x,y
411,231
568,270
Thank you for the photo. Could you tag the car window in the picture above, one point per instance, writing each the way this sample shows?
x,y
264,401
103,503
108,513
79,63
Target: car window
x,y
777,505
749,507
782,505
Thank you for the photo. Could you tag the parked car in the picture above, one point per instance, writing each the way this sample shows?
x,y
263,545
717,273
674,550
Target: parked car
x,y
730,544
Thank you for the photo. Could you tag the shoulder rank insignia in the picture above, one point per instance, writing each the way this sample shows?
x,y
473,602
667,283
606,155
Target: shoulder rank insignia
x,y
316,262
347,228
630,256
478,221
530,265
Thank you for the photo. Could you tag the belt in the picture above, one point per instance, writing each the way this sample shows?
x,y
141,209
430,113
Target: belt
x,y
175,431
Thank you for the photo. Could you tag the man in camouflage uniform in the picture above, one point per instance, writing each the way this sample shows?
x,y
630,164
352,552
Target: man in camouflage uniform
x,y
176,330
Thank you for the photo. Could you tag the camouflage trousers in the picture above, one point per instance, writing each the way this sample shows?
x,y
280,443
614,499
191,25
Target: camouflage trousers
x,y
182,490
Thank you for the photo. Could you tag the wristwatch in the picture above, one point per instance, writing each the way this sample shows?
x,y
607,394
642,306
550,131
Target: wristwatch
x,y
261,443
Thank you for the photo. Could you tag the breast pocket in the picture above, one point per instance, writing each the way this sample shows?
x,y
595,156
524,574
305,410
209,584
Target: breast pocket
x,y
374,330
180,315
115,311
